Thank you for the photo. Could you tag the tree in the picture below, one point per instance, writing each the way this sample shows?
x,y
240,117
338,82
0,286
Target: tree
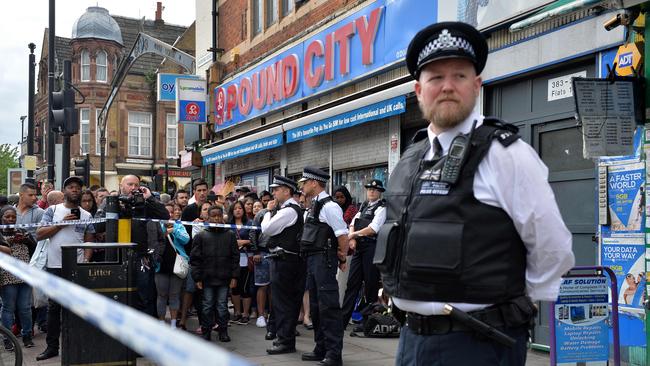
x,y
8,159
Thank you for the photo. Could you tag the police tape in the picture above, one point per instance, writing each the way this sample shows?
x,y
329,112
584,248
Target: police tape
x,y
202,223
95,221
143,334
58,223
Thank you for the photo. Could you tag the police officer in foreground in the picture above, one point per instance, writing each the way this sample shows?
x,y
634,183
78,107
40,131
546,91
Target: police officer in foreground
x,y
472,230
324,243
283,225
363,238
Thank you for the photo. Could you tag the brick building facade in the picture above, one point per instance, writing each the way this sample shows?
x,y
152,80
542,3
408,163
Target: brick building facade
x,y
139,137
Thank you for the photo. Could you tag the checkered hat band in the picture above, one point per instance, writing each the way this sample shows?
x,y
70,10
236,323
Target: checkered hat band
x,y
289,184
314,177
446,42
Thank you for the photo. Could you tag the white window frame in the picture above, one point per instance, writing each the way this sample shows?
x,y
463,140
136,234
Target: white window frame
x,y
104,66
84,130
171,132
287,7
140,127
85,65
257,24
272,12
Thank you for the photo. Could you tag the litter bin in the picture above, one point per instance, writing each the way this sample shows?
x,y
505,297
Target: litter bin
x,y
82,343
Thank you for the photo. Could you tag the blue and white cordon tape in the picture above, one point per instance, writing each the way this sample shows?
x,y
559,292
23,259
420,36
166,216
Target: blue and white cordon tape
x,y
58,223
95,221
142,333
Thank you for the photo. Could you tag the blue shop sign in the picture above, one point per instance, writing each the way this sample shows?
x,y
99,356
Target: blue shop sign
x,y
244,149
383,109
359,45
167,85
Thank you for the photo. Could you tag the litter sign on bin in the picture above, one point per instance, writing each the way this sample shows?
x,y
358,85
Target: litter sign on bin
x,y
581,314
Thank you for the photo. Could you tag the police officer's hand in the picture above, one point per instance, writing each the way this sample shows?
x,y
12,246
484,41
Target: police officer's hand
x,y
271,205
199,285
257,258
233,283
343,266
352,244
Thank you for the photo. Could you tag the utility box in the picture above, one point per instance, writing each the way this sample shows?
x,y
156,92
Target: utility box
x,y
83,343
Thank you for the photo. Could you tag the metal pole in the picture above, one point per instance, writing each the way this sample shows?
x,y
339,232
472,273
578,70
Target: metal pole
x,y
112,217
51,139
30,106
65,154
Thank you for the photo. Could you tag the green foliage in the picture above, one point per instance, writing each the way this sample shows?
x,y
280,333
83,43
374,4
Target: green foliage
x,y
8,159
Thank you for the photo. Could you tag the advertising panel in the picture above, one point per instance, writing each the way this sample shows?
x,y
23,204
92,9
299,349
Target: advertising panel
x,y
167,86
191,100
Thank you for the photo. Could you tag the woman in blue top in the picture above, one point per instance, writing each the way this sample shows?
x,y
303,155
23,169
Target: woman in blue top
x,y
241,294
166,240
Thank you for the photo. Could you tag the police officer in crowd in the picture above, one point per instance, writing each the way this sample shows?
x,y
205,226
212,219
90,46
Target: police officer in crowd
x,y
283,225
363,238
324,243
472,224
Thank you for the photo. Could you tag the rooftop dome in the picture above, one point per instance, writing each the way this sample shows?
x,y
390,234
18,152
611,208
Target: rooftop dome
x,y
97,23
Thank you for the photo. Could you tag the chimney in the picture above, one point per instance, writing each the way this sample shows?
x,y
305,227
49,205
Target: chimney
x,y
159,10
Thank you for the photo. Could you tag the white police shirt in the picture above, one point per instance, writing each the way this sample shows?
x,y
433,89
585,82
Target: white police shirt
x,y
377,221
282,219
332,215
516,180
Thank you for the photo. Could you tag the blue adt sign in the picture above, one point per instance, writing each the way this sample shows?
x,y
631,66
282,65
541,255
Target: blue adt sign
x,y
383,109
244,149
167,86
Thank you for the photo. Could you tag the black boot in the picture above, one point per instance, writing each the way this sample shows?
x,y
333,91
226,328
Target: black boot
x,y
206,333
223,337
48,353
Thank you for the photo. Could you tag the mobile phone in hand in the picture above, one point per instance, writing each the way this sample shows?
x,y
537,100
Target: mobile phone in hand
x,y
76,212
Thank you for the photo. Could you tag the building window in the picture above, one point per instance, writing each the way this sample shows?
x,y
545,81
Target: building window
x,y
85,65
172,136
84,130
101,64
140,134
98,145
258,7
355,180
287,7
271,12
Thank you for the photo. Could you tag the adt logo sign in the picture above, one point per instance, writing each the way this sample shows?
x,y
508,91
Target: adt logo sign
x,y
625,59
167,86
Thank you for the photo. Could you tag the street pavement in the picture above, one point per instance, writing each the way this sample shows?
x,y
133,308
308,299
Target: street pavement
x,y
248,341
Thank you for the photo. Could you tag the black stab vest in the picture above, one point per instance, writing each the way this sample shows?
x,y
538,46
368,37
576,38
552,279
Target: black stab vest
x,y
289,237
365,219
449,247
316,234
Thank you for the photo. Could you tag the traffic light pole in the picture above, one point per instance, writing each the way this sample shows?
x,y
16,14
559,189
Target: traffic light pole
x,y
51,139
65,158
30,106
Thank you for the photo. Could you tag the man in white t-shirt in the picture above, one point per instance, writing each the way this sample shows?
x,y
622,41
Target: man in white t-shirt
x,y
58,235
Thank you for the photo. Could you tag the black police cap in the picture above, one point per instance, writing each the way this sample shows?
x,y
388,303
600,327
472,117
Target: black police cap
x,y
376,184
279,180
446,40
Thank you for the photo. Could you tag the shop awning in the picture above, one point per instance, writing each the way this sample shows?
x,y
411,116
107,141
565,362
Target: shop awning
x,y
257,142
379,105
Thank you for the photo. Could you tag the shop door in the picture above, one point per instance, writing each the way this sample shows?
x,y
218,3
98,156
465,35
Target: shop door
x,y
572,178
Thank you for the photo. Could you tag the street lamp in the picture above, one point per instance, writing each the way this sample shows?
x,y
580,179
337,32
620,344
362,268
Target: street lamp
x,y
22,129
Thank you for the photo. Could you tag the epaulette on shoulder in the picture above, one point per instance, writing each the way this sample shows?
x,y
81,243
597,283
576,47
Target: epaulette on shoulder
x,y
505,133
420,135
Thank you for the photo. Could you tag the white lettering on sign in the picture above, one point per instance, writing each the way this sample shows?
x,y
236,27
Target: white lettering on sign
x,y
562,87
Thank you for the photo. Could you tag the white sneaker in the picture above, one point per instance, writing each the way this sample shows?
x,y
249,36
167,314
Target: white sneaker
x,y
261,322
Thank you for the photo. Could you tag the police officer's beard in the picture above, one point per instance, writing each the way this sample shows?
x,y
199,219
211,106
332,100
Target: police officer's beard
x,y
447,117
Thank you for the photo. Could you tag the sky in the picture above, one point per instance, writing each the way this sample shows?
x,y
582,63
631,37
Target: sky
x,y
25,21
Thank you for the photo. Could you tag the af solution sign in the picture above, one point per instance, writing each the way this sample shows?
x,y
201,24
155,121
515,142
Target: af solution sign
x,y
191,100
358,45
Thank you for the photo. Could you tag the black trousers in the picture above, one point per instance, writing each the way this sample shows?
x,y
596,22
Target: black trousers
x,y
53,317
288,287
362,270
324,304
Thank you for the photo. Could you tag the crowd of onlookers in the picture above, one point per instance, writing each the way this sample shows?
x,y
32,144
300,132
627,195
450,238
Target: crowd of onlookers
x,y
161,293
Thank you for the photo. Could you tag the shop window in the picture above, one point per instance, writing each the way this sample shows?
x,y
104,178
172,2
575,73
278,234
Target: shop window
x,y
355,180
85,65
140,134
259,180
172,136
258,12
84,130
101,66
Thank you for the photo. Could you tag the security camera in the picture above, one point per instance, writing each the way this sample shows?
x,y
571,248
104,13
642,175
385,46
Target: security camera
x,y
619,19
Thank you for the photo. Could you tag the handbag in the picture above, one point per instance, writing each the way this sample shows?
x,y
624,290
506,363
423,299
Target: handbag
x,y
181,265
